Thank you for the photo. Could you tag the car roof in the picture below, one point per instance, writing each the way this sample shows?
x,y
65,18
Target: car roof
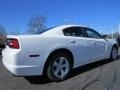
x,y
70,25
56,31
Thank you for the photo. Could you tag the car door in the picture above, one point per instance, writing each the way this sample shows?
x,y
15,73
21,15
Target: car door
x,y
98,44
82,46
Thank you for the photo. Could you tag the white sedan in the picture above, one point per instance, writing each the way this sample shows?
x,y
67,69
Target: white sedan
x,y
55,52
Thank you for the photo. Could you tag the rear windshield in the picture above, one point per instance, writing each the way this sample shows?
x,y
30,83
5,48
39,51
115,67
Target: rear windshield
x,y
42,31
39,31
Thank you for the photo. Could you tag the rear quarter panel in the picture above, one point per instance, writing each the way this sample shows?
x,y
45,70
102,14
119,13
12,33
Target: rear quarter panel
x,y
110,43
42,46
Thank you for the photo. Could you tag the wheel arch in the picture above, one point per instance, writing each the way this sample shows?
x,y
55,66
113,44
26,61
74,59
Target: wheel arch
x,y
56,51
115,45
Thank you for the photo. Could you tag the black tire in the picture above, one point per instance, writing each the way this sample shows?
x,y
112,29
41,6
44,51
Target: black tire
x,y
49,71
111,55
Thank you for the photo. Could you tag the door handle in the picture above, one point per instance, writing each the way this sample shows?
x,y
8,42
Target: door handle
x,y
72,41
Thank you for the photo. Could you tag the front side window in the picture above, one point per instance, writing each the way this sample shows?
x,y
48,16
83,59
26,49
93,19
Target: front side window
x,y
92,33
73,31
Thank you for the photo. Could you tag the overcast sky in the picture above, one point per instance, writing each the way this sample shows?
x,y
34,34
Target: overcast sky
x,y
102,15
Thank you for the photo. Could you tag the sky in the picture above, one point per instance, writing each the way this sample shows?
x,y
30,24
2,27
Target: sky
x,y
101,15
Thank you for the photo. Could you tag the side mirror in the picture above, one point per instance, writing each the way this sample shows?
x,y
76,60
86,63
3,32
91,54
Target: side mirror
x,y
104,36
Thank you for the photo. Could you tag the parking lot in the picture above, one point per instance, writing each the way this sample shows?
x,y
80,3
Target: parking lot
x,y
103,75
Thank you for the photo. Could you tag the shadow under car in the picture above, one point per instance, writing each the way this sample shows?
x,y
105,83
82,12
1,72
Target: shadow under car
x,y
75,72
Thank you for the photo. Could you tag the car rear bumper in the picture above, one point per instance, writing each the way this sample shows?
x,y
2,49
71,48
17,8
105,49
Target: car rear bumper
x,y
19,66
23,70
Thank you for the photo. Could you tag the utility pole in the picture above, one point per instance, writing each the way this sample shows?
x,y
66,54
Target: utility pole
x,y
119,28
68,21
112,30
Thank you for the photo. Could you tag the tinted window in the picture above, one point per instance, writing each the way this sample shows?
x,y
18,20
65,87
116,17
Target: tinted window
x,y
44,30
38,31
92,33
73,31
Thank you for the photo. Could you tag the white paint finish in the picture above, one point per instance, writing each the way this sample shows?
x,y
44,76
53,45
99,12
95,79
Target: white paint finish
x,y
84,50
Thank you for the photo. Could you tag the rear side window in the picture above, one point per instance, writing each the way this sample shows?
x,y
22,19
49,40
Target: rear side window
x,y
74,32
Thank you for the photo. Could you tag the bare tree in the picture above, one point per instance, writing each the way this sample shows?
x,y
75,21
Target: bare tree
x,y
15,32
36,24
3,34
2,30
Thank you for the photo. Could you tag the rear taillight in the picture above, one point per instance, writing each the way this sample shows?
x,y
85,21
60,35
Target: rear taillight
x,y
12,43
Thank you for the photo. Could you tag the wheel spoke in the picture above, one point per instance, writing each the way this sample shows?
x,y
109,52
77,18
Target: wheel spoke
x,y
56,72
62,59
62,72
65,64
55,63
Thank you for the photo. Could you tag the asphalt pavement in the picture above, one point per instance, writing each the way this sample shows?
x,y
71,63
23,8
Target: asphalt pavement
x,y
102,75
